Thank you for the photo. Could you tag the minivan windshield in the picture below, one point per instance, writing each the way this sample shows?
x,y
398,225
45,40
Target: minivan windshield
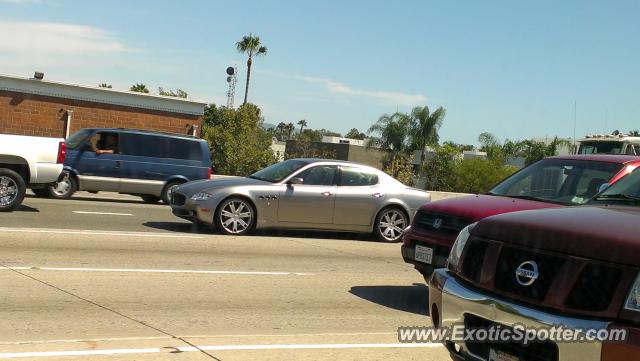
x,y
279,171
563,181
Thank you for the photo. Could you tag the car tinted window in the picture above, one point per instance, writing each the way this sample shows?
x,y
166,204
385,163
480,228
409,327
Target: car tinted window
x,y
568,182
157,146
354,176
322,175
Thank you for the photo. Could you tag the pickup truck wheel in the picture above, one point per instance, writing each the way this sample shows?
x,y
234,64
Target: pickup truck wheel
x,y
63,189
390,224
12,190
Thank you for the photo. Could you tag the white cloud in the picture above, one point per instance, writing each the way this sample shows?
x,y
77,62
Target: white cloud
x,y
394,98
56,39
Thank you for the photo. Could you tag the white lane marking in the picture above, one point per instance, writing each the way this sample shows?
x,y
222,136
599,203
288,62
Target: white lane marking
x,y
95,233
103,213
109,339
142,270
217,348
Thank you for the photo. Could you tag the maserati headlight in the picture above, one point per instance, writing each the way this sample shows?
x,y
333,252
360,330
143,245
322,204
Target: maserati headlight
x,y
201,196
458,247
633,300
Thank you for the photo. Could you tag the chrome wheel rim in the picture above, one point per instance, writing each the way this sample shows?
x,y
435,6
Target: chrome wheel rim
x,y
62,188
236,216
391,225
8,191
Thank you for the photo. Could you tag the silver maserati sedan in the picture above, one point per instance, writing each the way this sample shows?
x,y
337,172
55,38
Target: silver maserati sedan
x,y
303,194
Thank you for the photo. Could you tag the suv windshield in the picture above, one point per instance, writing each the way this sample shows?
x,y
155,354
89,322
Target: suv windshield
x,y
627,191
568,182
279,171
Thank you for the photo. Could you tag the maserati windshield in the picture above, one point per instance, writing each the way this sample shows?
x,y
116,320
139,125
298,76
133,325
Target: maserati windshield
x,y
279,171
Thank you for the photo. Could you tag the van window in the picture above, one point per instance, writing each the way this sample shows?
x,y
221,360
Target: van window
x,y
157,146
103,143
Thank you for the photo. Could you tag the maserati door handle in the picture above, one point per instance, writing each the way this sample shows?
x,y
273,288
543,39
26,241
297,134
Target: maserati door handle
x,y
327,194
377,195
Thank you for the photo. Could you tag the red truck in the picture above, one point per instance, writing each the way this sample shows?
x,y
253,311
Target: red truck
x,y
552,182
572,268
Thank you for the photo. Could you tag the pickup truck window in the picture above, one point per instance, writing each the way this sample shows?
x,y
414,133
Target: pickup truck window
x,y
559,181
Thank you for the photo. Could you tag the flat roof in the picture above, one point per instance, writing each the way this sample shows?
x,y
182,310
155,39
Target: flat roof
x,y
100,95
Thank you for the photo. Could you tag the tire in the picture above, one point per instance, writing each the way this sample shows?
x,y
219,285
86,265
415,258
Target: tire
x,y
147,198
64,189
235,216
166,192
12,190
390,224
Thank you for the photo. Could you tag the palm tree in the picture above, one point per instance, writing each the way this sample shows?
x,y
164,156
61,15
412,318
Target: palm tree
x,y
280,128
140,88
251,46
425,126
105,85
302,123
392,132
289,129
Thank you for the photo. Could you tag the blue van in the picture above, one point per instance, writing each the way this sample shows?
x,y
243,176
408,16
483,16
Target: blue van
x,y
138,162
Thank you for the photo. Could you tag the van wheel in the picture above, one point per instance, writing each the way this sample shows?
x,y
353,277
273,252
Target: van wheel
x,y
12,190
166,192
63,189
149,198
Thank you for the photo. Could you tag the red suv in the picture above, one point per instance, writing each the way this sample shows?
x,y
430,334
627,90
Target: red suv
x,y
573,268
551,182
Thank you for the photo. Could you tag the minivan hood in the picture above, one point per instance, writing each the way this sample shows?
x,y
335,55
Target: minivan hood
x,y
212,184
606,233
476,207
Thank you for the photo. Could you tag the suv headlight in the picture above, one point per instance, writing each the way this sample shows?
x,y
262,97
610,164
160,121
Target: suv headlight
x,y
200,196
633,300
458,247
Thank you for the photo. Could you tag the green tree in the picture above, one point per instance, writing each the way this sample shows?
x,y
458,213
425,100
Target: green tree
x,y
239,146
460,147
212,115
425,126
439,167
355,134
391,132
105,85
139,88
289,130
477,175
251,46
634,133
400,168
302,123
179,93
280,130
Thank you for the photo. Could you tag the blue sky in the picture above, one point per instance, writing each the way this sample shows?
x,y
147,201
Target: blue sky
x,y
513,68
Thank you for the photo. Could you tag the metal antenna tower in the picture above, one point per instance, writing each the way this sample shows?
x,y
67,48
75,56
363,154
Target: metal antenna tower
x,y
232,79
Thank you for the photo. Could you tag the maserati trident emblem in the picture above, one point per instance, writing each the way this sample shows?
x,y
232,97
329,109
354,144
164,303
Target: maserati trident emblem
x,y
527,273
437,223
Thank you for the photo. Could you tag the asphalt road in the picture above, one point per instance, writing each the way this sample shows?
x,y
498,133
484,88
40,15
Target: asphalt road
x,y
117,279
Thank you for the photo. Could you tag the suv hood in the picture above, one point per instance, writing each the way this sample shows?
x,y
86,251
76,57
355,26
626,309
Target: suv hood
x,y
208,184
474,208
606,233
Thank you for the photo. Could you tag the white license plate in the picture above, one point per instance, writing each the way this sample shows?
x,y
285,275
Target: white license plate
x,y
495,355
423,254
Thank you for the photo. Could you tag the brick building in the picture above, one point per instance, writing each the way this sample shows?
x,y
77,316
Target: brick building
x,y
29,106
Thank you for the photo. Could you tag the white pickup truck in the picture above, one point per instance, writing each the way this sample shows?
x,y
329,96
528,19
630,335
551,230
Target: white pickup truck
x,y
27,162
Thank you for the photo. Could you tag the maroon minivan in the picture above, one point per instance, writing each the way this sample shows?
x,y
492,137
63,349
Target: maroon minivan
x,y
552,182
